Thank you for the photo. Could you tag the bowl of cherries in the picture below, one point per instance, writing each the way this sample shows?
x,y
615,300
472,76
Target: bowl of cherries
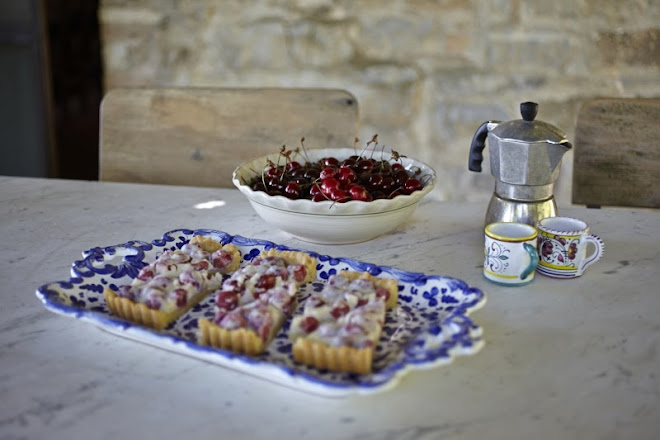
x,y
334,195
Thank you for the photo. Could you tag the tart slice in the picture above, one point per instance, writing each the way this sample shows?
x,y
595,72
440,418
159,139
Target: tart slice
x,y
247,329
340,326
167,288
268,270
268,284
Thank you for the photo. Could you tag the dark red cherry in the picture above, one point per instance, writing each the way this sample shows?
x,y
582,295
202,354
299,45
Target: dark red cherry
x,y
315,189
376,180
297,172
292,190
290,166
266,281
397,167
259,186
365,165
350,163
340,310
328,172
299,272
383,293
276,183
309,324
181,297
274,172
226,299
411,185
360,193
346,175
400,177
329,184
311,173
339,195
330,161
387,185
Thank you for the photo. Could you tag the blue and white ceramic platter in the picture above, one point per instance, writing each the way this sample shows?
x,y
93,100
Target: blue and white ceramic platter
x,y
429,327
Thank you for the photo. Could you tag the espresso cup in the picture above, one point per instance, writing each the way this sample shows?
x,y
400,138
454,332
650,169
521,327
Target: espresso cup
x,y
510,255
563,245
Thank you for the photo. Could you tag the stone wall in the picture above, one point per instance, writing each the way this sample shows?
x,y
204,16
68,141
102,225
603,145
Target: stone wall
x,y
426,73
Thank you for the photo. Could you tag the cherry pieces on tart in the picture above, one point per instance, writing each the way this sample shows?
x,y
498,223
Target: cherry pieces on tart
x,y
340,326
167,288
253,303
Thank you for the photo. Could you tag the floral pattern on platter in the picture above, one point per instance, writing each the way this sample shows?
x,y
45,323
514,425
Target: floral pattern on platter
x,y
429,327
496,259
558,250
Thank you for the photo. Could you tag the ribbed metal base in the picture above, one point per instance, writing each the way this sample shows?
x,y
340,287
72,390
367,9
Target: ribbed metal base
x,y
503,210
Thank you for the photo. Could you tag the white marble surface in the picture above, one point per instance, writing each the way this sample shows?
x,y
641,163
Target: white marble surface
x,y
563,358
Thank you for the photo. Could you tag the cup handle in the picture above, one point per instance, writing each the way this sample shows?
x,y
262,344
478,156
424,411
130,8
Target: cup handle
x,y
598,253
533,260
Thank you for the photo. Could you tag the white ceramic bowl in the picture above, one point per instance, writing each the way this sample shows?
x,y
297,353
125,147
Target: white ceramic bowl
x,y
328,222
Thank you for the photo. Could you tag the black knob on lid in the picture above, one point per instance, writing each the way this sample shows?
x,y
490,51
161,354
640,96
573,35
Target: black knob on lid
x,y
528,110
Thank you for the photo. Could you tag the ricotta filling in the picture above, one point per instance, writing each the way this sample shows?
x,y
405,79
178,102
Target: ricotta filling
x,y
258,294
176,277
345,313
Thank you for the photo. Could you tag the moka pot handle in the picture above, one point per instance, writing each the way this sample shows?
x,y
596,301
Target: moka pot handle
x,y
478,144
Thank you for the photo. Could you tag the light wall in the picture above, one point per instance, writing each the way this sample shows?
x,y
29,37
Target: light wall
x,y
426,74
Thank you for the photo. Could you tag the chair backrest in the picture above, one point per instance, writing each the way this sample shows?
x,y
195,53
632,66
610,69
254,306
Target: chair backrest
x,y
198,136
617,153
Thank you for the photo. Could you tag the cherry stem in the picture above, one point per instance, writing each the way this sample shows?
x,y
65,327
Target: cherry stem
x,y
389,196
374,140
302,142
426,178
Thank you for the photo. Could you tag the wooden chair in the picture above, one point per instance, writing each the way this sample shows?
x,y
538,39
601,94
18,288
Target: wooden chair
x,y
198,136
617,153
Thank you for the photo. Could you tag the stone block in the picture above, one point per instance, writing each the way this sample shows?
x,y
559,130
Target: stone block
x,y
319,44
589,13
260,45
498,14
415,32
388,107
636,47
530,51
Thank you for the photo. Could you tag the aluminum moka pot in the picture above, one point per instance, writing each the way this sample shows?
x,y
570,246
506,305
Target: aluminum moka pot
x,y
525,159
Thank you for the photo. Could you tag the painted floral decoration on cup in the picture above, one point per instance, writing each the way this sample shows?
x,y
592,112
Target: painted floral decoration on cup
x,y
510,255
563,245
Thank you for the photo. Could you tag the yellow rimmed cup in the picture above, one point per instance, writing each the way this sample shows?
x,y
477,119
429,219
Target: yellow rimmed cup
x,y
562,247
510,255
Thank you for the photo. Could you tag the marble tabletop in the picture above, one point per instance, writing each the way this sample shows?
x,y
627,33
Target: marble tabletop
x,y
569,359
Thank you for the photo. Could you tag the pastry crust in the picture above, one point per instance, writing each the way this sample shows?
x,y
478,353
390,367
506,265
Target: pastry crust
x,y
342,359
158,319
294,257
210,245
241,340
384,283
206,243
143,315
